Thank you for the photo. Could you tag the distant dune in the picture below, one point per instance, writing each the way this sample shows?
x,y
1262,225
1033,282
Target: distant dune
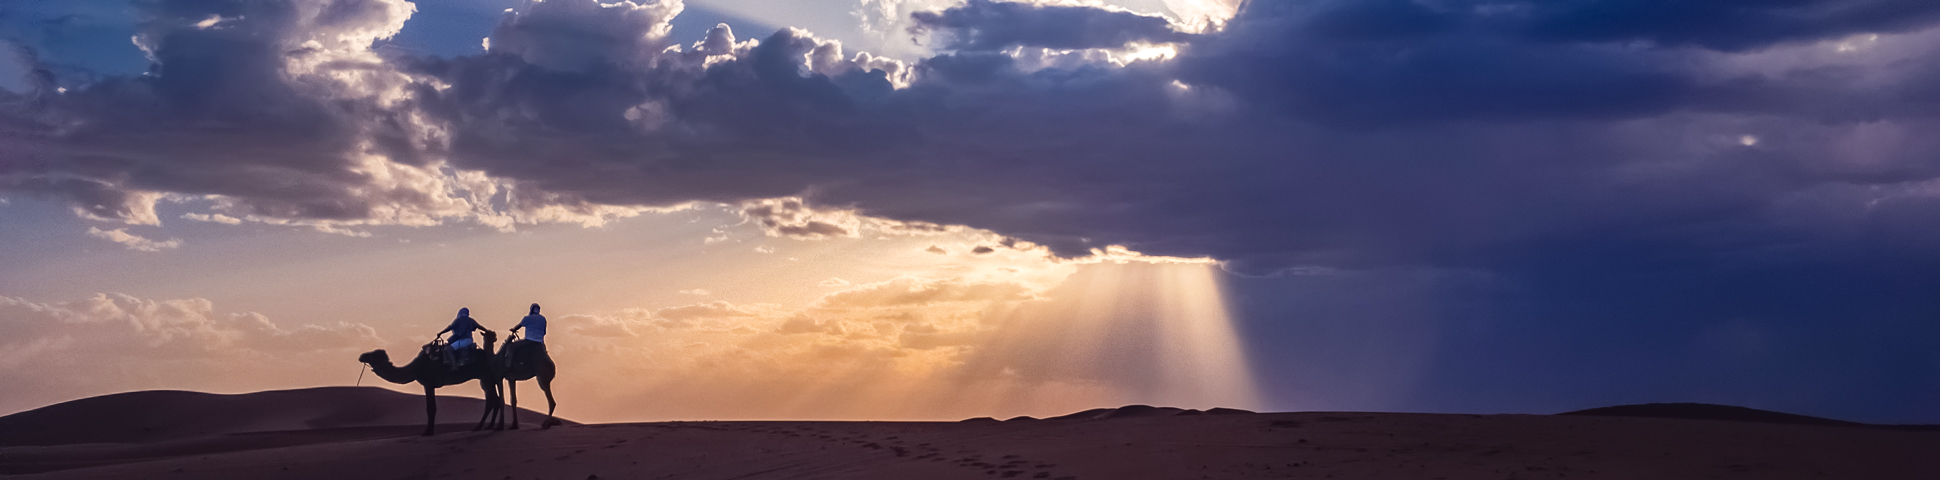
x,y
1706,411
1135,411
249,437
150,416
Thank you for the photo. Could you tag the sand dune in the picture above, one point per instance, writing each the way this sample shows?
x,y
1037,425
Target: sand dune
x,y
150,416
1134,442
148,425
1702,411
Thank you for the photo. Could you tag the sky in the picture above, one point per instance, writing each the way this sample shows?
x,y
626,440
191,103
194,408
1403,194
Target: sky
x,y
932,209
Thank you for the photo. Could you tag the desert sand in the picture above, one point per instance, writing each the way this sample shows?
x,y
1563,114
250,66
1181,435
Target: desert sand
x,y
1126,443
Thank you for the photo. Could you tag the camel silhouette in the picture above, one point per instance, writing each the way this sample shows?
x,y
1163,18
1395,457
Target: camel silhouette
x,y
528,361
490,379
430,371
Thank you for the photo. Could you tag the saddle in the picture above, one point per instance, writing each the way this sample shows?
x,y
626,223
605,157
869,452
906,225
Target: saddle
x,y
446,357
517,354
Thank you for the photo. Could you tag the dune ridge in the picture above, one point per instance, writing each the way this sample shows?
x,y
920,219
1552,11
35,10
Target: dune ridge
x,y
1133,442
159,415
1708,411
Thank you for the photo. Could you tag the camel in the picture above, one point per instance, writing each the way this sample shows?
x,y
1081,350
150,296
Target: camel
x,y
426,371
490,379
530,361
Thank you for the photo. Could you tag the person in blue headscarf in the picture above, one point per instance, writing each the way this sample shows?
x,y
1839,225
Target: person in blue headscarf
x,y
461,332
535,334
534,325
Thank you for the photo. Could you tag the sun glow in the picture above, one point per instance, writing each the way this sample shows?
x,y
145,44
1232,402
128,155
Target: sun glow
x,y
1108,334
1151,333
1151,52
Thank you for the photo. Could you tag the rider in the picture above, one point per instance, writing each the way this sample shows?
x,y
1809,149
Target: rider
x,y
461,329
535,330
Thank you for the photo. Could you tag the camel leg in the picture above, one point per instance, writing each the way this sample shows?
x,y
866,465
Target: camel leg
x,y
545,383
512,386
498,405
498,409
430,409
490,395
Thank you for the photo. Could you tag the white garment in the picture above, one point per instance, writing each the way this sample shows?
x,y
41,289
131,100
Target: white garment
x,y
535,327
462,343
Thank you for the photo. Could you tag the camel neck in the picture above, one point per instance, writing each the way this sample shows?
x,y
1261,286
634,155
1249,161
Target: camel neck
x,y
392,373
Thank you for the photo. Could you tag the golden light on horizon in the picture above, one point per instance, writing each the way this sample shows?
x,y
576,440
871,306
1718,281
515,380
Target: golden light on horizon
x,y
1109,334
1158,333
1204,353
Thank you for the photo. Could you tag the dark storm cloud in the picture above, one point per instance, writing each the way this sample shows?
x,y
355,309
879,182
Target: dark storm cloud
x,y
990,25
1388,62
1311,133
1728,25
219,112
1731,25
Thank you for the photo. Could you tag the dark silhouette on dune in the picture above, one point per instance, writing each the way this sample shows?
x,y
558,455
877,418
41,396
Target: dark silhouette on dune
x,y
1706,411
492,380
526,361
148,425
431,371
1135,411
168,415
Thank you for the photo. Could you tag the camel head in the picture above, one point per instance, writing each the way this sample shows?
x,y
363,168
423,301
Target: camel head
x,y
375,357
490,337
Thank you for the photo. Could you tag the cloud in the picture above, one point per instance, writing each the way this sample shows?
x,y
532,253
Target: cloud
x,y
584,35
171,327
802,323
714,309
1321,134
1715,24
789,217
215,217
991,25
834,282
696,291
132,241
597,326
280,112
936,250
910,291
110,343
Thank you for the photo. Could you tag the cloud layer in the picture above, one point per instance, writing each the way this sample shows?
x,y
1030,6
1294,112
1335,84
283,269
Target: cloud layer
x,y
1296,134
111,343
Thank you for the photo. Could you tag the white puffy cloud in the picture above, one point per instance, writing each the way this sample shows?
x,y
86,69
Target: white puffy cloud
x,y
213,217
132,241
585,35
